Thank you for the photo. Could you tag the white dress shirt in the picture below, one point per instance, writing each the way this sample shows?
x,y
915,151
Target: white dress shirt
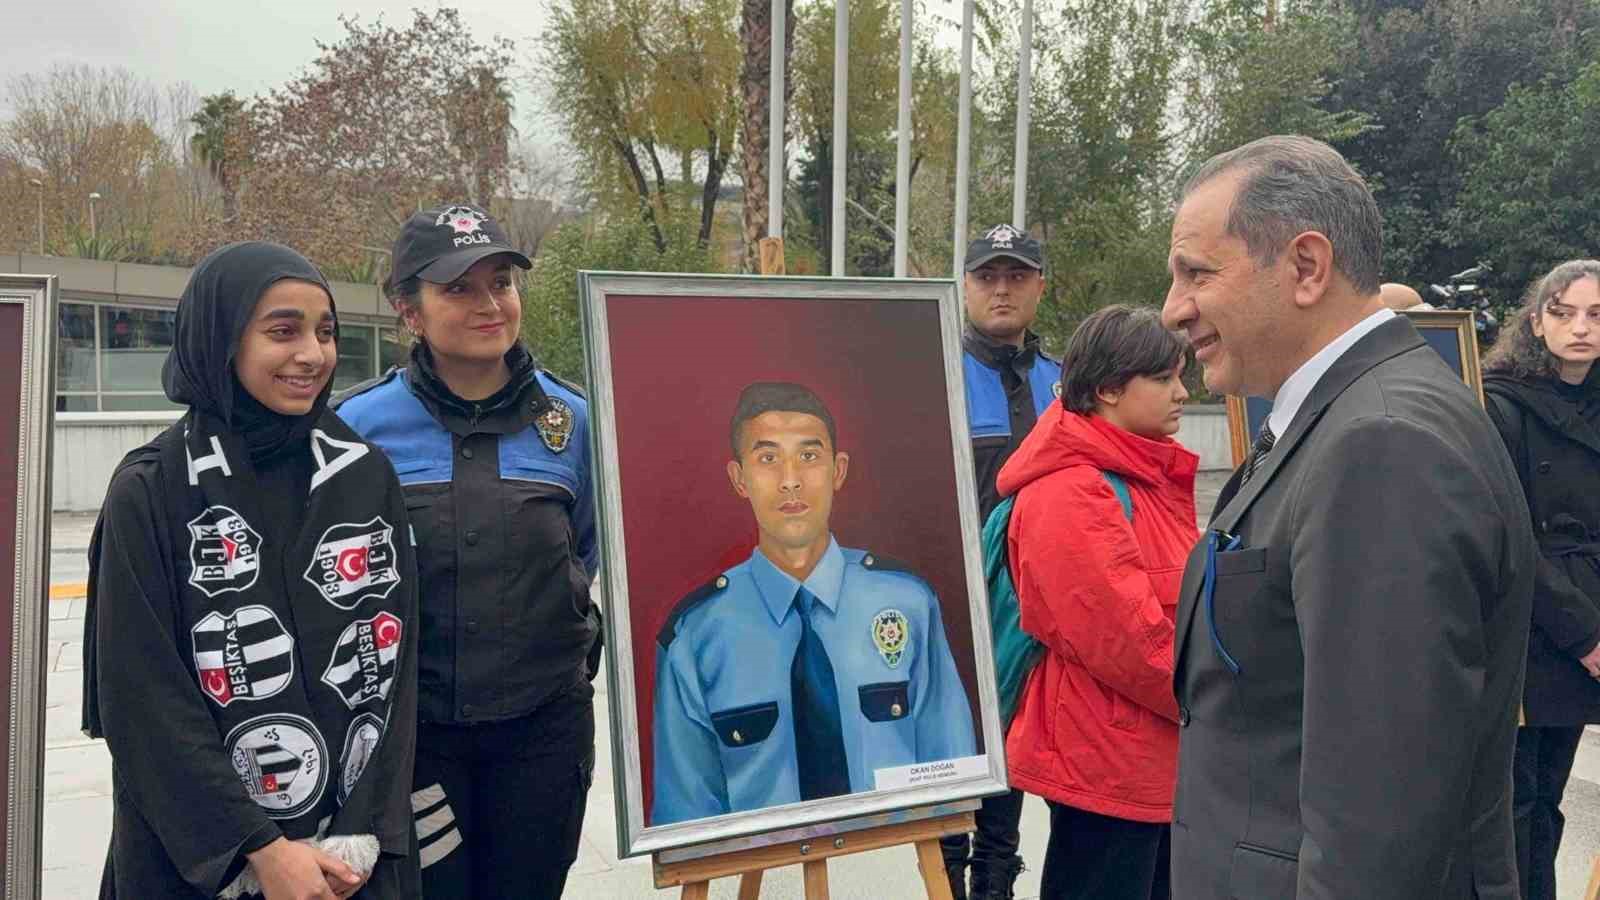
x,y
1292,395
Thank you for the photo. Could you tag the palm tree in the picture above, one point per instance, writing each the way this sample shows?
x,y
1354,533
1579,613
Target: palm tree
x,y
216,121
755,33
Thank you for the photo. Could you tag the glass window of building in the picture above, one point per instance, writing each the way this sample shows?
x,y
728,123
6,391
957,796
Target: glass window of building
x,y
394,348
355,356
75,368
133,345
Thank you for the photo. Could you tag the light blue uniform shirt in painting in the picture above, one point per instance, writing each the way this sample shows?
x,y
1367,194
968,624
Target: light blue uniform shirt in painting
x,y
724,730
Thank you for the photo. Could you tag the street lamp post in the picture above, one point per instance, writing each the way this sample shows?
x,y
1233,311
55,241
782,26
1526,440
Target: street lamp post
x,y
94,231
40,185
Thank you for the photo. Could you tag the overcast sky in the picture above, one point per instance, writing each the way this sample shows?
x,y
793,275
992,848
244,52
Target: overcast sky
x,y
218,45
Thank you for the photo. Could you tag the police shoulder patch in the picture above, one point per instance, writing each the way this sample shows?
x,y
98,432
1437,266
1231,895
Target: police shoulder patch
x,y
569,385
356,390
699,595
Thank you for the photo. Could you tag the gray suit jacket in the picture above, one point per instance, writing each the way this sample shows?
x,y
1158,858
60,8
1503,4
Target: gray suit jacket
x,y
1377,610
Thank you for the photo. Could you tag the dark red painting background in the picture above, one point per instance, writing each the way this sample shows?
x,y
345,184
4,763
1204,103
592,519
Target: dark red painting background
x,y
11,317
678,365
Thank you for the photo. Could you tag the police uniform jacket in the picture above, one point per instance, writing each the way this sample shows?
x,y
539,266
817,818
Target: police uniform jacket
x,y
1553,433
499,494
1347,699
724,728
1007,389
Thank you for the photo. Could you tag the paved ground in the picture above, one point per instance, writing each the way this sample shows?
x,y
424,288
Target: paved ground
x,y
77,817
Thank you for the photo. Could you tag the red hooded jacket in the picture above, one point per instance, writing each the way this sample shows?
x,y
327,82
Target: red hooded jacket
x,y
1096,727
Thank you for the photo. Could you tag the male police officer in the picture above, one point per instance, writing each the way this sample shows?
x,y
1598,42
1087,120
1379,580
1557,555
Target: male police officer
x,y
1009,382
801,672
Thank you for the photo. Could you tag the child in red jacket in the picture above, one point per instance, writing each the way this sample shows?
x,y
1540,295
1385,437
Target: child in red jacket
x,y
1096,731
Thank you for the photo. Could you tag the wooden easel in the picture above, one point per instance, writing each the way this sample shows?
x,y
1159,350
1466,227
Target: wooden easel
x,y
695,875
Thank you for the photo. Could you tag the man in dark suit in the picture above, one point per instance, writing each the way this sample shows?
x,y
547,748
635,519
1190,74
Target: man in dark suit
x,y
1352,629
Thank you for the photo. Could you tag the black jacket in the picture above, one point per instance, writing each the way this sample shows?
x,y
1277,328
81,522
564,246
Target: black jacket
x,y
1348,697
499,493
1006,388
1553,434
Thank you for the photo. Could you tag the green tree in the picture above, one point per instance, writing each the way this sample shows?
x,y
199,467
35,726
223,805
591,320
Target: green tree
x,y
1100,144
1530,195
213,142
1245,79
638,83
1419,68
551,323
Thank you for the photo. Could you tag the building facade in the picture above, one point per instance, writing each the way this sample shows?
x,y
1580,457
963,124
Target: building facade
x,y
114,327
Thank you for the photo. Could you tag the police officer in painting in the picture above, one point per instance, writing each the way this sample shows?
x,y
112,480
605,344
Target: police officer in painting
x,y
492,453
1009,383
869,682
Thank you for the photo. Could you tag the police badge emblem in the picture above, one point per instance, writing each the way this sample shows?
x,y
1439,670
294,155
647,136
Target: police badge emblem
x,y
890,634
555,425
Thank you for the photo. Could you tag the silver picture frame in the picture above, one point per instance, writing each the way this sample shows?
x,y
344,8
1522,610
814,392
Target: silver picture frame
x,y
36,296
811,818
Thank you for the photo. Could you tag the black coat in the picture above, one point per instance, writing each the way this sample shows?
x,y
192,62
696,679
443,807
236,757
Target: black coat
x,y
1554,439
1348,698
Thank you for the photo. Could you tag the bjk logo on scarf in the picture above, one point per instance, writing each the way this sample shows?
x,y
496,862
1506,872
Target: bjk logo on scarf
x,y
363,662
224,551
353,562
246,655
282,761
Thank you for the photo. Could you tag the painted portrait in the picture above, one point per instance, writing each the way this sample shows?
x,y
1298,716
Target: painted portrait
x,y
794,601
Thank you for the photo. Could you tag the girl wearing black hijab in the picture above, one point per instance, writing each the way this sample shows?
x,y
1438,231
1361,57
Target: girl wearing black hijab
x,y
249,653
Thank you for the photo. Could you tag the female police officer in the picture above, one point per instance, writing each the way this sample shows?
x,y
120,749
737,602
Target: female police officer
x,y
492,454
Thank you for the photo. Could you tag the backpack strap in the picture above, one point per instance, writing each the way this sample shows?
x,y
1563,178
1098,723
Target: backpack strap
x,y
1121,488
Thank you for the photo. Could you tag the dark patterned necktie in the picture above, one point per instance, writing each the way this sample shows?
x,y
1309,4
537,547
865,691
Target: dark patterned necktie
x,y
1258,452
818,735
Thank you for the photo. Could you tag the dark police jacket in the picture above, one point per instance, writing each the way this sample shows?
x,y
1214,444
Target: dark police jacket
x,y
1553,433
1376,616
499,494
1007,389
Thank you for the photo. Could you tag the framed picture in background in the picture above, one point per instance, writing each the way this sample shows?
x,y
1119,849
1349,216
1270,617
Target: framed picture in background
x,y
797,629
27,368
1451,334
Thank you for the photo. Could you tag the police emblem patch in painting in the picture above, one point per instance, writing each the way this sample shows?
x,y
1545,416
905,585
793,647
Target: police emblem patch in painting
x,y
890,632
555,425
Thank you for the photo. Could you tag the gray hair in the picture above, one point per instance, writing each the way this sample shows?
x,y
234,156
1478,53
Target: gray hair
x,y
1293,184
1519,352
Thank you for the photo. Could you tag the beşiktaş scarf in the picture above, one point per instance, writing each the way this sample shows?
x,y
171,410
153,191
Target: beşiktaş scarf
x,y
297,634
297,615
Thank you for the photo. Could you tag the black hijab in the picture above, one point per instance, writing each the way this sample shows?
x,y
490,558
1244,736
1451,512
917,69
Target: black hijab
x,y
217,304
